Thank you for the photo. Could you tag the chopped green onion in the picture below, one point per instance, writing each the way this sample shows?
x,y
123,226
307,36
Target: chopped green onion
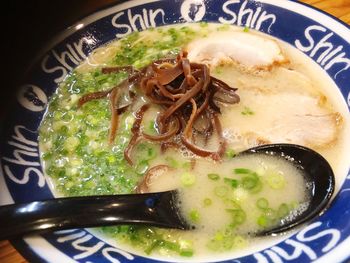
x,y
239,242
228,232
249,182
239,195
267,218
207,202
219,236
218,70
257,188
151,153
145,151
242,171
186,253
188,179
185,244
194,216
214,245
246,29
238,216
276,181
213,177
224,27
262,203
230,153
232,182
233,204
172,162
46,156
153,246
270,214
151,127
227,243
111,159
294,205
170,245
203,24
71,143
247,111
283,210
221,191
158,243
262,221
187,165
142,167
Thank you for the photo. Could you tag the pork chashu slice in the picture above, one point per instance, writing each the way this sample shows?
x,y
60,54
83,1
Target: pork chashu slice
x,y
283,117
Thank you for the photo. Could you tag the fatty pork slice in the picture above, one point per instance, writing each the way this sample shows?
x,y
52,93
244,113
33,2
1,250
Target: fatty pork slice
x,y
248,50
281,118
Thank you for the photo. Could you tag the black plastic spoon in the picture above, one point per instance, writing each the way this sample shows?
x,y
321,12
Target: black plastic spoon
x,y
318,173
155,209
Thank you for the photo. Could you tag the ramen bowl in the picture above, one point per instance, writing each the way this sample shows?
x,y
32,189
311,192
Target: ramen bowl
x,y
320,37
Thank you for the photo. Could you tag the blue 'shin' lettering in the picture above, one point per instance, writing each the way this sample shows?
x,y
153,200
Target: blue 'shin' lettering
x,y
325,53
68,59
145,20
253,18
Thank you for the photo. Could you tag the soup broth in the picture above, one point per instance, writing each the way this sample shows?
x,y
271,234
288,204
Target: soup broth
x,y
235,198
283,98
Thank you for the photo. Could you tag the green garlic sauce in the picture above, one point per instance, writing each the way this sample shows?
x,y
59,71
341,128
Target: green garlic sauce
x,y
246,195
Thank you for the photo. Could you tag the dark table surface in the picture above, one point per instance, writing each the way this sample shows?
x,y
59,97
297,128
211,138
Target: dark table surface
x,y
27,26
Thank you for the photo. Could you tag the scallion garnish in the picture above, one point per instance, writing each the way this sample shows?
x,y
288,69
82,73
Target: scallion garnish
x,y
242,171
276,181
188,179
262,203
283,210
232,182
213,176
194,216
230,153
221,191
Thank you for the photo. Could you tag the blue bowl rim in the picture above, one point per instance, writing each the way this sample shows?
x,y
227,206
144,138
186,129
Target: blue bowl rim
x,y
20,245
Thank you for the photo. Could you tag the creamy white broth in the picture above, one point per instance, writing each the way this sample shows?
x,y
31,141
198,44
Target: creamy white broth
x,y
212,189
300,77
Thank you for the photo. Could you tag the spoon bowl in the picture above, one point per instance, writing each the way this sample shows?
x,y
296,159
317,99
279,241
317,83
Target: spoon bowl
x,y
318,173
157,209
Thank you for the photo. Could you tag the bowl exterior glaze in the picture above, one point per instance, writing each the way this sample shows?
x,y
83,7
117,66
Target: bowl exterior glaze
x,y
325,239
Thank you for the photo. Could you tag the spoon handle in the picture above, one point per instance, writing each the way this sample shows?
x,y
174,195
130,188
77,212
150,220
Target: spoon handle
x,y
156,209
